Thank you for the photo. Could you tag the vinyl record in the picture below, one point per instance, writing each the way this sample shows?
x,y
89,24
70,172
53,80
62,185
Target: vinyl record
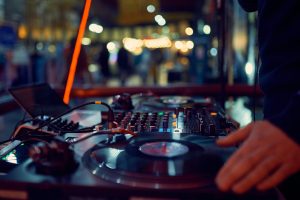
x,y
167,102
156,162
175,100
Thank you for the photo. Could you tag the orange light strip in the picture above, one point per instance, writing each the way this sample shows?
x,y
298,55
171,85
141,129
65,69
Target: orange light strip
x,y
76,52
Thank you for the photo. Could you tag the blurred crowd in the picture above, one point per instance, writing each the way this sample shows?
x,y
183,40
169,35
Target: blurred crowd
x,y
37,63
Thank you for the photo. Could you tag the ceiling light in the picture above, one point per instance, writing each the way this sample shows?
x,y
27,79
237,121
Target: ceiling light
x,y
96,28
151,8
206,29
189,31
160,20
86,41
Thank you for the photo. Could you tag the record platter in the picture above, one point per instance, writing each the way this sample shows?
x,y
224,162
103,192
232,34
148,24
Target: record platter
x,y
172,155
157,162
171,102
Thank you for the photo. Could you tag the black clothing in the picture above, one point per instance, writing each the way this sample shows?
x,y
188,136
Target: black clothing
x,y
248,5
279,30
123,62
103,61
123,59
279,41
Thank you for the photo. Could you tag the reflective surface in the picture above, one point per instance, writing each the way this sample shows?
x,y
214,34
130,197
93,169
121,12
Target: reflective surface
x,y
164,149
148,162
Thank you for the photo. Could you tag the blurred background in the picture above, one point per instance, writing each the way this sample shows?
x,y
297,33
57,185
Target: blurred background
x,y
126,42
129,43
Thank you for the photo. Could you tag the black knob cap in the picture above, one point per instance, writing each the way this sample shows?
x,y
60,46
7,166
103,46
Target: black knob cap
x,y
122,102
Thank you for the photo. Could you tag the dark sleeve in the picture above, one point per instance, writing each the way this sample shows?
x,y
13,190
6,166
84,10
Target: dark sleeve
x,y
289,119
249,5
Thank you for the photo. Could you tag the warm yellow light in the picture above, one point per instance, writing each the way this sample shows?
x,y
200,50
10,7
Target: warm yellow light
x,y
189,31
22,32
86,41
190,44
135,45
163,42
240,41
184,61
213,114
36,34
249,68
132,44
178,45
58,34
184,49
184,46
47,34
111,47
137,51
52,48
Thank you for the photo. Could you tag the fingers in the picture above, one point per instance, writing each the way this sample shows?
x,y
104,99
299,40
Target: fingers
x,y
256,175
238,165
283,172
266,157
235,137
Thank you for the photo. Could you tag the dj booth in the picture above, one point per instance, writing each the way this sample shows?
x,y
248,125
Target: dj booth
x,y
143,145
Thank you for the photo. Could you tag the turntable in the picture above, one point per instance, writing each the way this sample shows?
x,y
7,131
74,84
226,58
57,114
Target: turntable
x,y
172,155
156,166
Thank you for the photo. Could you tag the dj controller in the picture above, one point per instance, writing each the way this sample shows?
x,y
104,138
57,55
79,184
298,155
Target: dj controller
x,y
147,147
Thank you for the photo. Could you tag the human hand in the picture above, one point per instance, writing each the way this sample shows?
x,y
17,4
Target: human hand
x,y
265,158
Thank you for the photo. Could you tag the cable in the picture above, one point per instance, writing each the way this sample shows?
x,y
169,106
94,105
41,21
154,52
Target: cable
x,y
111,117
35,140
82,130
22,121
110,114
5,141
103,132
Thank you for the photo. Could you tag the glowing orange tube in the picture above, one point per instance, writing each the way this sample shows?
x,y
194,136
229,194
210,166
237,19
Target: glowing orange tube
x,y
76,52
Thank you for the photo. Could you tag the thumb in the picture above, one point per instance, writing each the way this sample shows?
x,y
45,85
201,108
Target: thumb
x,y
235,137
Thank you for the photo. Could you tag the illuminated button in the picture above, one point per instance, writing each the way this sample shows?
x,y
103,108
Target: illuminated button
x,y
213,114
174,116
174,124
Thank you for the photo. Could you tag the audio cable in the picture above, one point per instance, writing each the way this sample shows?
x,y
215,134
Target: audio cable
x,y
110,119
112,131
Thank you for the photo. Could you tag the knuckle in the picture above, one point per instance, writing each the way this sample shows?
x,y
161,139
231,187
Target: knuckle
x,y
269,165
